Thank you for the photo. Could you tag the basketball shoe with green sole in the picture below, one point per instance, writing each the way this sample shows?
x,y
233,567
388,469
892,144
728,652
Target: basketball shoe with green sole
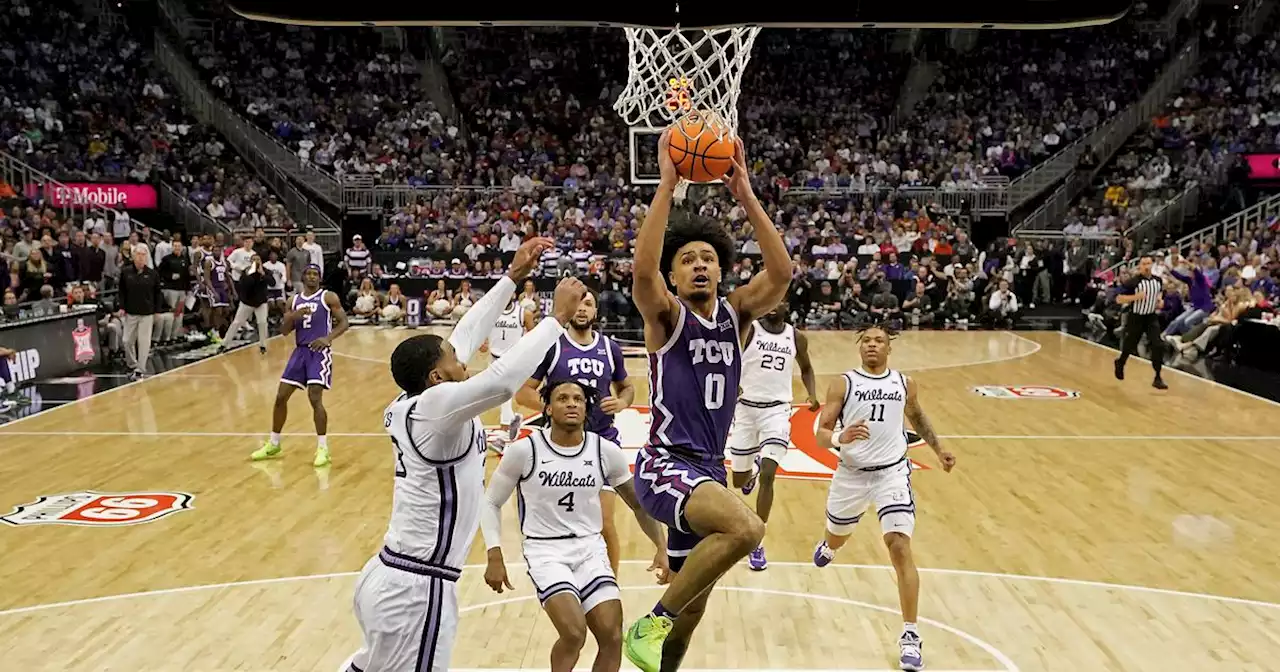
x,y
643,642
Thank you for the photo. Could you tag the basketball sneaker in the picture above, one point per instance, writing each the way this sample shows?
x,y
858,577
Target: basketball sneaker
x,y
513,429
912,650
322,457
266,452
756,561
750,485
643,641
823,554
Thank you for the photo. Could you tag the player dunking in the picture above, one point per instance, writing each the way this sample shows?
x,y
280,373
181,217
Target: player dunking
x,y
406,598
511,324
869,404
694,341
560,473
589,357
762,421
316,318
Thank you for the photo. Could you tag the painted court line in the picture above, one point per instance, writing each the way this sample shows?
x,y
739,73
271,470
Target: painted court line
x,y
956,437
1177,371
476,567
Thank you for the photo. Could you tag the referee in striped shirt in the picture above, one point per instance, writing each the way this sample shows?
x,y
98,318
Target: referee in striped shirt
x,y
1142,293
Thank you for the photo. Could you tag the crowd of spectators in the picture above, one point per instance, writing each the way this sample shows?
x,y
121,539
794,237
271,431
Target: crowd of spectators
x,y
84,102
1206,293
535,103
1228,107
854,261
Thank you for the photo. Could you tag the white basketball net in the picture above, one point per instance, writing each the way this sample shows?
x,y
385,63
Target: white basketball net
x,y
675,73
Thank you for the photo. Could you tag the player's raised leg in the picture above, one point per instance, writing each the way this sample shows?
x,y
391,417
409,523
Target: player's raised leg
x,y
677,642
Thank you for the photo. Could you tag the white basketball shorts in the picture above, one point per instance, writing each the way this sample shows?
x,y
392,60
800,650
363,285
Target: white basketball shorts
x,y
763,431
577,566
409,620
853,490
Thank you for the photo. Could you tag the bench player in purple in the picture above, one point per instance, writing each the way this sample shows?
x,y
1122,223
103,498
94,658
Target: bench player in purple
x,y
315,316
595,360
695,363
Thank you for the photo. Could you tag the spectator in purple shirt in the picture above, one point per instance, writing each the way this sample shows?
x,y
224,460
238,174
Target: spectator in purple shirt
x,y
1200,294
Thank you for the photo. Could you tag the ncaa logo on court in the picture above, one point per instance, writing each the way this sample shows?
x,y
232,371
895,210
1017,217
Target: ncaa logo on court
x,y
1025,392
99,509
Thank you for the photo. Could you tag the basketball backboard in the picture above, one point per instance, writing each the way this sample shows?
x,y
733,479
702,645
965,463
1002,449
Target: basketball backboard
x,y
1023,14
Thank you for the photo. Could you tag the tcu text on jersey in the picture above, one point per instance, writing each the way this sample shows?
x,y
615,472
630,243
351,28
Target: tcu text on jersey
x,y
712,352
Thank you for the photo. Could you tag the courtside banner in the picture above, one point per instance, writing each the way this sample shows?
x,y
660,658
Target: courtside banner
x,y
107,195
50,347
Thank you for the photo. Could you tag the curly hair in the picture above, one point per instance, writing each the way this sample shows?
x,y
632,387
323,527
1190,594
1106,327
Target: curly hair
x,y
685,227
888,330
588,392
413,360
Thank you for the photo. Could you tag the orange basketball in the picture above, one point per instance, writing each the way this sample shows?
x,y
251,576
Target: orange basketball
x,y
698,154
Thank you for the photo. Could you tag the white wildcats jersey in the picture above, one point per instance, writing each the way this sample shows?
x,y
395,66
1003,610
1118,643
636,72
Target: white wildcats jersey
x,y
435,507
559,492
507,329
880,401
767,364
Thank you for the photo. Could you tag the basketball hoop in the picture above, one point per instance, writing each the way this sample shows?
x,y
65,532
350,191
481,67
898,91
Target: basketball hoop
x,y
673,73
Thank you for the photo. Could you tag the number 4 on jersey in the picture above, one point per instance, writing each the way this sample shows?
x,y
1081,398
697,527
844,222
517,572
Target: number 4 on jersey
x,y
566,502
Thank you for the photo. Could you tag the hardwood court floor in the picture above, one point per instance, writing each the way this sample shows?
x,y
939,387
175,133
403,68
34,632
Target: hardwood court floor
x,y
1124,529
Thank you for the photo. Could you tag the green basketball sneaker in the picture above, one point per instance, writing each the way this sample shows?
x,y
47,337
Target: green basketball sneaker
x,y
266,452
322,457
643,642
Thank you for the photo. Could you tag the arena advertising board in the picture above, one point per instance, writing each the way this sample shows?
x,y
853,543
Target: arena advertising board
x,y
804,459
107,195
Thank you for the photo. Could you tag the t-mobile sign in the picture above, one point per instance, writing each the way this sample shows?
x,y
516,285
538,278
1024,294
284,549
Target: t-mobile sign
x,y
131,196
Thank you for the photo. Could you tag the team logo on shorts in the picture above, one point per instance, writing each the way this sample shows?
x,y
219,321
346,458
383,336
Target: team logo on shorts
x,y
804,459
100,509
1025,392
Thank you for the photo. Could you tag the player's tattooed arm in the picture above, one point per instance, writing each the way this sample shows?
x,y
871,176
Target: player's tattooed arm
x,y
340,323
830,414
920,423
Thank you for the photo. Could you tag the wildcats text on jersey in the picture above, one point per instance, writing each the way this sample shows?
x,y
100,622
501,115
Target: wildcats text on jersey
x,y
804,460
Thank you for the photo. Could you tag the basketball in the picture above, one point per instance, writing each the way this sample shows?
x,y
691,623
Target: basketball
x,y
698,154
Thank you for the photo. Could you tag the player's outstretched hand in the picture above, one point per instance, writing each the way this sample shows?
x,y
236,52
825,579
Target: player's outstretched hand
x,y
666,167
568,294
661,570
495,574
527,257
947,459
739,178
856,432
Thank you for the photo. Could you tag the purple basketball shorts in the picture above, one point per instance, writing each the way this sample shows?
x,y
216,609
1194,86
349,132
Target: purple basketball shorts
x,y
221,297
307,367
664,482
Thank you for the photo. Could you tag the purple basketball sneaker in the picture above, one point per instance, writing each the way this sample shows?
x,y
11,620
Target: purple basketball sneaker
x,y
823,555
756,561
912,657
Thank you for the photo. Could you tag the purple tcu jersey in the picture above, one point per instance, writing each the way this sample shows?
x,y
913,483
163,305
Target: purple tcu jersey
x,y
218,274
315,324
597,365
693,384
